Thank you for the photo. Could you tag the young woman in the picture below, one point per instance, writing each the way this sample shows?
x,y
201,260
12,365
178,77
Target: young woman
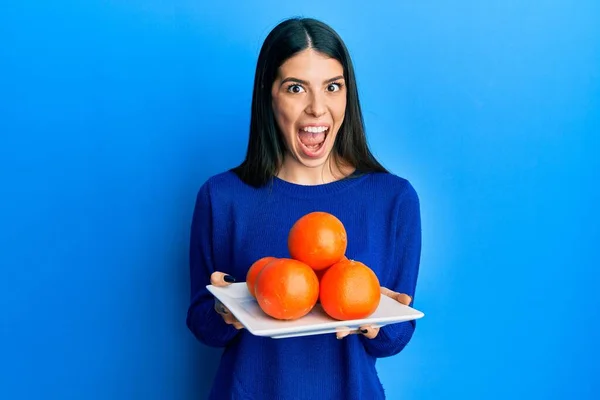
x,y
307,151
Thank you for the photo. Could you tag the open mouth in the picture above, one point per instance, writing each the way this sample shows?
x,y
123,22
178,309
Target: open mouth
x,y
312,139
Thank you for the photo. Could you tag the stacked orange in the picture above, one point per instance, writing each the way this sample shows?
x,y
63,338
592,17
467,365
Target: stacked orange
x,y
318,270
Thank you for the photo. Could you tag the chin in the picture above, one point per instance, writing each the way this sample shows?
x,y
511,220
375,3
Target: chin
x,y
313,163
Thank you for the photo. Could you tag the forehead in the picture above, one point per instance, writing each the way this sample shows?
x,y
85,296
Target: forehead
x,y
310,64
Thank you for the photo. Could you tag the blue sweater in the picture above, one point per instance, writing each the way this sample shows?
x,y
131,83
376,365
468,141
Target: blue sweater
x,y
235,224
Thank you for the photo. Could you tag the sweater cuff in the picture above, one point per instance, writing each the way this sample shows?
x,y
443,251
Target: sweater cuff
x,y
208,326
390,340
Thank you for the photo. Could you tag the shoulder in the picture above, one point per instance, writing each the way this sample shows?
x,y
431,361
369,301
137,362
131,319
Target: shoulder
x,y
398,197
226,180
222,184
391,185
223,188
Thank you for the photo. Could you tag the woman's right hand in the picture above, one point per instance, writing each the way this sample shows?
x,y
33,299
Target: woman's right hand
x,y
220,279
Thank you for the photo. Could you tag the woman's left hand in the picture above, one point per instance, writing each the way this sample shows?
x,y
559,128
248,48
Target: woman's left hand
x,y
371,331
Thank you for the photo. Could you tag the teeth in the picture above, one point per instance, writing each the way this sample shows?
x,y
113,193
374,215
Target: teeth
x,y
315,129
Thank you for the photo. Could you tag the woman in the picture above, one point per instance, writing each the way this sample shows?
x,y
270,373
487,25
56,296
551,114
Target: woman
x,y
307,151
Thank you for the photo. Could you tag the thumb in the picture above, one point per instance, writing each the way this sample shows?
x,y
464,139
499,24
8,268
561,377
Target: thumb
x,y
221,279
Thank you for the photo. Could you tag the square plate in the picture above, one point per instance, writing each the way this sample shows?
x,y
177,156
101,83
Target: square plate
x,y
246,309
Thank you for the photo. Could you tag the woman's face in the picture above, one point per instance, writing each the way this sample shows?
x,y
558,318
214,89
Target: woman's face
x,y
309,103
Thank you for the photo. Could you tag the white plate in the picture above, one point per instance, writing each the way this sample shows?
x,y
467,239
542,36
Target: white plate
x,y
246,309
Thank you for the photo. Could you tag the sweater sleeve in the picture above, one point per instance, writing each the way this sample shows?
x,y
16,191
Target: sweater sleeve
x,y
202,319
392,338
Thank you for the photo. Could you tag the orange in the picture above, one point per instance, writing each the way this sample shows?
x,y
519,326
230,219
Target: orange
x,y
254,270
321,272
349,290
318,239
287,289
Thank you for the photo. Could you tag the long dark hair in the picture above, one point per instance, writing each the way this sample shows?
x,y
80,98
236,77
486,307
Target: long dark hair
x,y
265,145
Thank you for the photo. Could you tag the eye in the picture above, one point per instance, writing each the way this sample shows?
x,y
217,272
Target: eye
x,y
295,88
334,87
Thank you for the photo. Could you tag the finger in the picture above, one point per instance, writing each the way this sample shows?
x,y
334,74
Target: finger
x,y
221,279
342,331
221,309
369,331
387,292
404,298
238,325
399,297
229,319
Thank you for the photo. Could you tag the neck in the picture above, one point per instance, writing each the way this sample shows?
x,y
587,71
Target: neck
x,y
293,171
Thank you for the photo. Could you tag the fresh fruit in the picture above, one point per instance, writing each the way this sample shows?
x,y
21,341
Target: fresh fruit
x,y
253,272
287,289
318,239
321,272
349,290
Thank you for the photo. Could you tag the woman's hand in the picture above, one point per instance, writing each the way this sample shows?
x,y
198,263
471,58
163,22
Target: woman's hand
x,y
371,331
220,279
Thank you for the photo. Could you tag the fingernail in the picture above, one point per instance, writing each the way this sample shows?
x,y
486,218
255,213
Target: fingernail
x,y
364,330
229,279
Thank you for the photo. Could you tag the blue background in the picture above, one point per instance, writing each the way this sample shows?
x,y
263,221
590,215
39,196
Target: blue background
x,y
112,114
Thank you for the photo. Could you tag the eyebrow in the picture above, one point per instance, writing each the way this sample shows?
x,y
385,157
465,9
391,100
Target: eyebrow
x,y
292,79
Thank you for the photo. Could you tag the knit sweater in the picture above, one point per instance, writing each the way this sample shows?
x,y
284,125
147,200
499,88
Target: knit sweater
x,y
235,224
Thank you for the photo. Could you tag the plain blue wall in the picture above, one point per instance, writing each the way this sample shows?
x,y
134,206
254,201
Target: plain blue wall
x,y
112,115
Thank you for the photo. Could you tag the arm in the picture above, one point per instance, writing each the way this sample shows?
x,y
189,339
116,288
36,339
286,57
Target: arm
x,y
202,319
392,338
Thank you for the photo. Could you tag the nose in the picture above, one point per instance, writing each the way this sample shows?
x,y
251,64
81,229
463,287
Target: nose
x,y
317,105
